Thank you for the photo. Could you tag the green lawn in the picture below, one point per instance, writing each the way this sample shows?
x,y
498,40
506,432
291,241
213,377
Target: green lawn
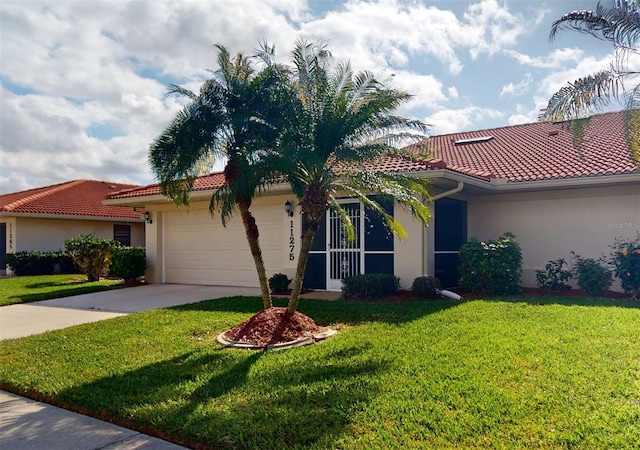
x,y
42,287
546,373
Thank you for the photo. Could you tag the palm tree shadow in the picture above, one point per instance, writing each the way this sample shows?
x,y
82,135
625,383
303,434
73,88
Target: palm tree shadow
x,y
287,402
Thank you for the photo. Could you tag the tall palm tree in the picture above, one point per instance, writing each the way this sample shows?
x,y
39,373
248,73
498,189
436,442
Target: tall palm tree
x,y
618,24
341,122
231,117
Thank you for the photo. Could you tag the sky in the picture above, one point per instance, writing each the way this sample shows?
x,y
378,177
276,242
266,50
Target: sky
x,y
83,83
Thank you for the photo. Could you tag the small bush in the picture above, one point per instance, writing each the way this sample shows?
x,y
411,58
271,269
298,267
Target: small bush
x,y
426,287
279,283
625,260
91,254
553,277
370,285
491,267
592,276
129,263
40,263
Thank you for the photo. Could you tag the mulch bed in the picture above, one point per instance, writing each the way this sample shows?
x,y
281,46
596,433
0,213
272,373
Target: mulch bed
x,y
273,326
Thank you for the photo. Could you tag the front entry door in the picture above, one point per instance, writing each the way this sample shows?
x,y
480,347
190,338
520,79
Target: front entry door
x,y
344,258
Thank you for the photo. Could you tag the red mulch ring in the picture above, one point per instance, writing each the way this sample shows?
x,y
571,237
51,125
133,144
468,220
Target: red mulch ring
x,y
273,326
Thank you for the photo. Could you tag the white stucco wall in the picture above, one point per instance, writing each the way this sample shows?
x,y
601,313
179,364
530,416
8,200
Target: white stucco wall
x,y
409,258
50,234
550,225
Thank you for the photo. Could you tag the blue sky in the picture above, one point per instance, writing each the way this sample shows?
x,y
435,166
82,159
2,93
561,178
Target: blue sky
x,y
83,82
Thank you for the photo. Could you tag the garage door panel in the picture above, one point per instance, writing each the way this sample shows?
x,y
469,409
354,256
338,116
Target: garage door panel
x,y
199,250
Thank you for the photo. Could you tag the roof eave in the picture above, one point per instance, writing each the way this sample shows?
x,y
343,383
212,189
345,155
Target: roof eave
x,y
71,217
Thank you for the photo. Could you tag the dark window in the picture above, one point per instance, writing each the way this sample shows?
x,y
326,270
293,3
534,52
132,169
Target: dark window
x,y
122,234
450,234
378,263
3,246
450,224
376,235
315,275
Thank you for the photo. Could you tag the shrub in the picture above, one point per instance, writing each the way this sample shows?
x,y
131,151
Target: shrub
x,y
491,267
426,287
90,254
129,263
625,259
40,263
553,277
592,276
370,285
279,283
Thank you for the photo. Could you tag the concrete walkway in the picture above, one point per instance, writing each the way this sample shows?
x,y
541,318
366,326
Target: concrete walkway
x,y
26,424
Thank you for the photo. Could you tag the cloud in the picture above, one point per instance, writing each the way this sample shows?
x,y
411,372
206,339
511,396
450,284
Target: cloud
x,y
556,59
517,89
456,120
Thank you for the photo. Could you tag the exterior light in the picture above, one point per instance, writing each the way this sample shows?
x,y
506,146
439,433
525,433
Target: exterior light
x,y
288,208
147,217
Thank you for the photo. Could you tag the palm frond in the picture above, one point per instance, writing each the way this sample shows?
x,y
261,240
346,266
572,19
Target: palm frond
x,y
583,95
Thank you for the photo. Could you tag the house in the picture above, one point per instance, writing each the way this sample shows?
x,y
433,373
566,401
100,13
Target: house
x,y
530,180
41,219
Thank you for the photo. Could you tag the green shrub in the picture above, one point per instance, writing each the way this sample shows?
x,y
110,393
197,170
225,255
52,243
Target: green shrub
x,y
553,277
129,263
279,283
426,287
370,285
90,254
40,263
491,267
625,259
593,277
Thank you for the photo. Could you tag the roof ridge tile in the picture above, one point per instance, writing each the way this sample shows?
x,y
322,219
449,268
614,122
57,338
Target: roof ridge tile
x,y
56,188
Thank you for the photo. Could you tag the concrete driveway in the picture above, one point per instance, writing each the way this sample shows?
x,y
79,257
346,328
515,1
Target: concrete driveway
x,y
33,318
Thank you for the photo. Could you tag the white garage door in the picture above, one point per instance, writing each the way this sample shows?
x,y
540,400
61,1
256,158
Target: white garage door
x,y
199,250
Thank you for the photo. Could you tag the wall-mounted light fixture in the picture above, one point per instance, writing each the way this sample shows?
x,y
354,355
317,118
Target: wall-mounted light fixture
x,y
147,217
288,208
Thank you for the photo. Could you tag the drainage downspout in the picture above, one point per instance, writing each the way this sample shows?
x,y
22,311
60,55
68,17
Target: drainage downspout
x,y
455,190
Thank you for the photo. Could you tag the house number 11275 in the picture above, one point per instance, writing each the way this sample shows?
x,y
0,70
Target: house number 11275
x,y
292,242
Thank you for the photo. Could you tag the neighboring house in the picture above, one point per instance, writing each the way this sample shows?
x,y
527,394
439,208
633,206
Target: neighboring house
x,y
42,219
526,179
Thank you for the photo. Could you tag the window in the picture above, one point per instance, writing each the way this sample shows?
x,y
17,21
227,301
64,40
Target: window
x,y
122,234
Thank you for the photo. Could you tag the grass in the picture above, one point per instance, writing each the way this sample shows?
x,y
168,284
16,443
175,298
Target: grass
x,y
43,287
500,373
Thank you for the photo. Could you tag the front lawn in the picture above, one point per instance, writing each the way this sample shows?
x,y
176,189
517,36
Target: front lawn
x,y
43,287
545,373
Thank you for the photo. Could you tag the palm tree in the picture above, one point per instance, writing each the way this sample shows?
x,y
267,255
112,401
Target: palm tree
x,y
340,123
619,24
231,117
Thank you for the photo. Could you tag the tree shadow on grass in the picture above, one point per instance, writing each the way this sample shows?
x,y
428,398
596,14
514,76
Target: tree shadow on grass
x,y
239,399
326,312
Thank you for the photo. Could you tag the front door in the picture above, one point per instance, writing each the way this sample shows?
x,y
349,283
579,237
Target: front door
x,y
344,258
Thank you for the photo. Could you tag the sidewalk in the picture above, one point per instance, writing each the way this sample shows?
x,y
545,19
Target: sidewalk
x,y
29,425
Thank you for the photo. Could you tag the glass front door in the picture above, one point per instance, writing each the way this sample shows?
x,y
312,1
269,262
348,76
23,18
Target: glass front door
x,y
345,258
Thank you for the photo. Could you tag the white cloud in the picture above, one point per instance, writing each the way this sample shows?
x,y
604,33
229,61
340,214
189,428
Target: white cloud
x,y
453,92
556,59
456,120
517,89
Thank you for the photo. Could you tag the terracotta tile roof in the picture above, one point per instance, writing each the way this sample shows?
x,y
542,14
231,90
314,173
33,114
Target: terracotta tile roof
x,y
538,151
529,152
203,183
73,198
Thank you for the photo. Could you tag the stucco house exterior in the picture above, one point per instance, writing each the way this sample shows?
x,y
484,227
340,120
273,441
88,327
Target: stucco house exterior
x,y
529,179
41,219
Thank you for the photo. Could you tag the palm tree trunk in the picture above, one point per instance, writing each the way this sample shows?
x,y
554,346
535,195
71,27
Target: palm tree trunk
x,y
305,247
251,230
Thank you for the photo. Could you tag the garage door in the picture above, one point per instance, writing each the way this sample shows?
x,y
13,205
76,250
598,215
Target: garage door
x,y
199,250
